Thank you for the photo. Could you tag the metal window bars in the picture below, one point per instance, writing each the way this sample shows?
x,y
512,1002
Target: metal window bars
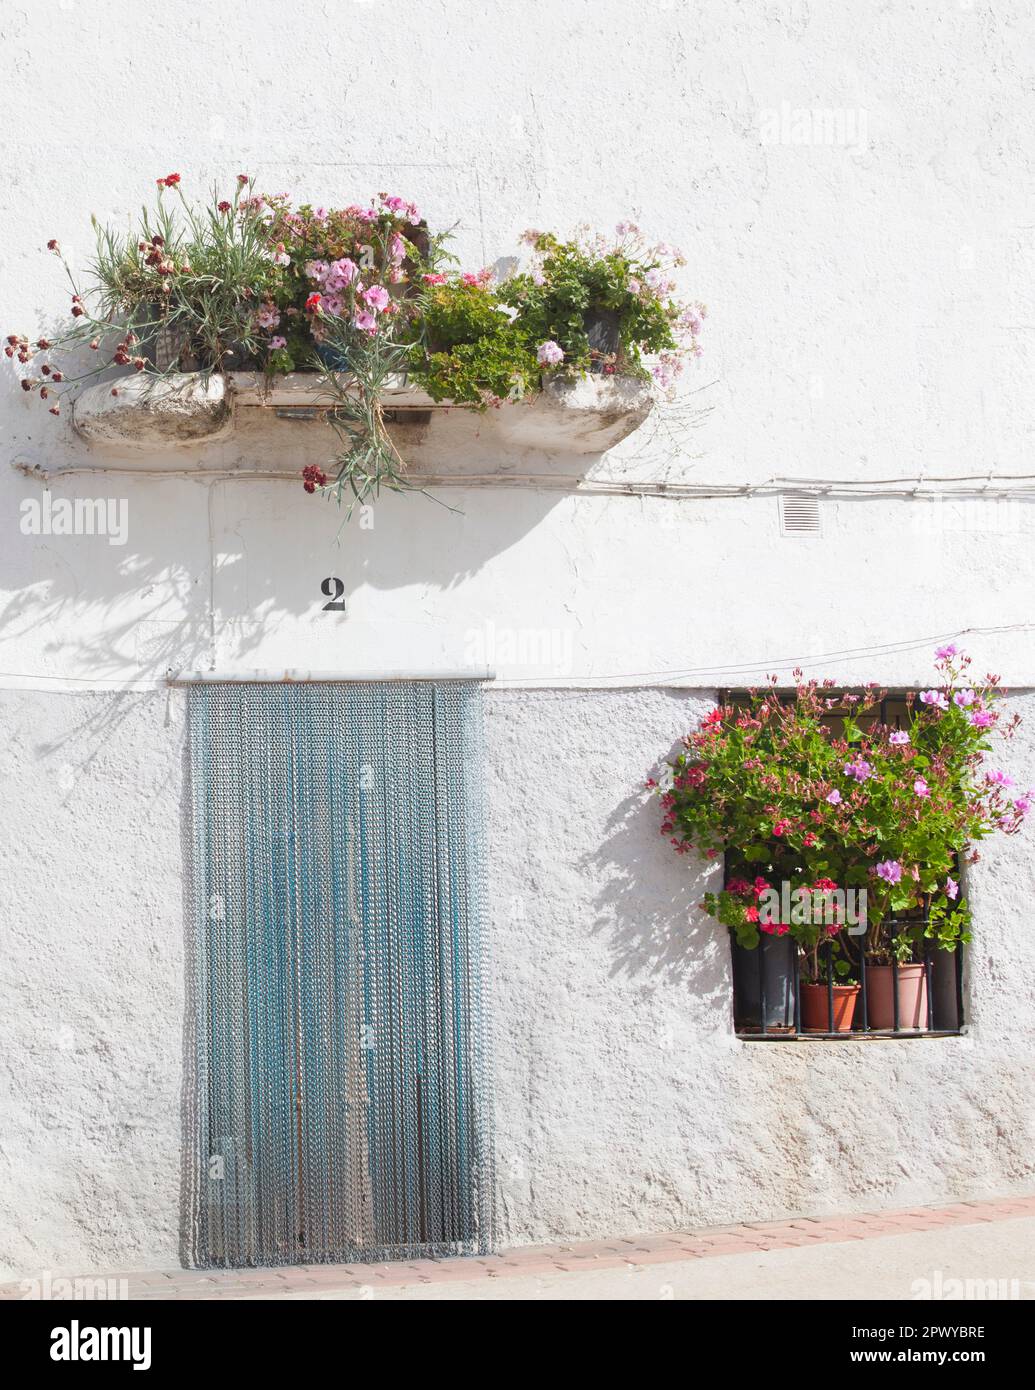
x,y
769,990
768,985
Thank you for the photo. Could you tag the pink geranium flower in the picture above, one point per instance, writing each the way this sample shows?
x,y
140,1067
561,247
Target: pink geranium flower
x,y
341,273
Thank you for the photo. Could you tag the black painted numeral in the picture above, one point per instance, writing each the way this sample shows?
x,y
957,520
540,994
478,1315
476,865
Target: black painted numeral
x,y
333,587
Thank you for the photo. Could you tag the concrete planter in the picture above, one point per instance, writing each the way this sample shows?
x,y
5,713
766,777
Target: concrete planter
x,y
148,412
568,418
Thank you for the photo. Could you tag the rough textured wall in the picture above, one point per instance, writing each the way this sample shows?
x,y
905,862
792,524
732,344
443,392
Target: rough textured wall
x,y
852,185
623,1101
91,975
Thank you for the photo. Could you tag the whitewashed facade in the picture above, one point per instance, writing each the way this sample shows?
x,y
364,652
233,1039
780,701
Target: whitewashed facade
x,y
853,191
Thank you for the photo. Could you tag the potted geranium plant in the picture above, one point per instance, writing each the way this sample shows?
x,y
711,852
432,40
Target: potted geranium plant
x,y
824,799
828,990
598,305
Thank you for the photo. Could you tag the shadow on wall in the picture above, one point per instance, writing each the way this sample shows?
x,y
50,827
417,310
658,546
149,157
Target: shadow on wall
x,y
213,568
647,908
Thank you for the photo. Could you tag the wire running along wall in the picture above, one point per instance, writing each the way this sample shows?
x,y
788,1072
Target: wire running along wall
x,y
339,1096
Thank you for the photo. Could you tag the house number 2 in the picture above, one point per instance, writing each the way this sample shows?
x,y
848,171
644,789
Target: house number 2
x,y
333,588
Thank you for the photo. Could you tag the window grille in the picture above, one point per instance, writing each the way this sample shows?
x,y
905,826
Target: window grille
x,y
767,983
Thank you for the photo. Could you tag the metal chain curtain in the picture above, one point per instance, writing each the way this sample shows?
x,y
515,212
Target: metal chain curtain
x,y
341,1107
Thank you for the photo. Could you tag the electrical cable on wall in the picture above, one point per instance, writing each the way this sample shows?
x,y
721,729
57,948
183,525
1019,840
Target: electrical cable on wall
x,y
642,679
1018,486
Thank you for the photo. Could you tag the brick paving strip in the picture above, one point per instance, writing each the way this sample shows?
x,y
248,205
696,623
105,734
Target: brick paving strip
x,y
615,1253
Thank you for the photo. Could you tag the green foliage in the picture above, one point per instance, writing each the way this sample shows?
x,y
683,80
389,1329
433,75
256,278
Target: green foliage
x,y
467,349
198,274
356,294
791,798
572,281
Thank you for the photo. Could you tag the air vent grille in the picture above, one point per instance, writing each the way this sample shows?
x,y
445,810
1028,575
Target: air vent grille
x,y
799,516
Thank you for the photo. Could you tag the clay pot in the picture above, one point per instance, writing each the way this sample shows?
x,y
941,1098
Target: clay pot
x,y
912,997
815,1012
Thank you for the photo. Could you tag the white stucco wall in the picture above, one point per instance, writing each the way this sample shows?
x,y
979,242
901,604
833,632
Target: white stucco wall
x,y
870,317
623,1102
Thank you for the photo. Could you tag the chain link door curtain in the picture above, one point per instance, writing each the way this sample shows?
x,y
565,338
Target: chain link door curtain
x,y
338,1104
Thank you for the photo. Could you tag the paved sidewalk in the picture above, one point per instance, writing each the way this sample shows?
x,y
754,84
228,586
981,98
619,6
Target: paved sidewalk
x,y
712,1261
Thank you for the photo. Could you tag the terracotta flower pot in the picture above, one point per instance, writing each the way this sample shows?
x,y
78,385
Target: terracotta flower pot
x,y
815,1012
912,996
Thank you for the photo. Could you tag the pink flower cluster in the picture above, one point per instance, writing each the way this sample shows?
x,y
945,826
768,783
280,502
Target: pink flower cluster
x,y
342,292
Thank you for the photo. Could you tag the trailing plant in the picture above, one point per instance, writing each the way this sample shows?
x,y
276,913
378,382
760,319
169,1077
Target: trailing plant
x,y
812,791
572,280
358,313
359,295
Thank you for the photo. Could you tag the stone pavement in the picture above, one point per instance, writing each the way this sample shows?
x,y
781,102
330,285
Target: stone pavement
x,y
672,1248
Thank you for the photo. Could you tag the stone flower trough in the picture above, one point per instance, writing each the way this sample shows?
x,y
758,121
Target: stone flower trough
x,y
566,419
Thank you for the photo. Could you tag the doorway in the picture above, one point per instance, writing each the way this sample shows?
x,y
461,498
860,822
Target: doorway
x,y
337,1106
